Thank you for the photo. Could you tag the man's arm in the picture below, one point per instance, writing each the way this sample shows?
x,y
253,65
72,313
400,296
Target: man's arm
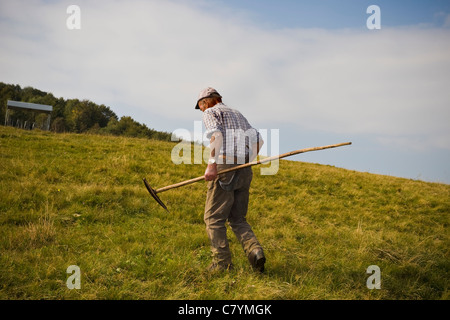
x,y
256,148
215,145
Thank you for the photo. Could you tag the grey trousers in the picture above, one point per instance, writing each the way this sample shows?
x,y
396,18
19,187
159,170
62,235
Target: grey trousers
x,y
227,200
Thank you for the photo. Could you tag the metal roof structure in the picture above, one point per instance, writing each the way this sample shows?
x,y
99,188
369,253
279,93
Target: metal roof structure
x,y
26,106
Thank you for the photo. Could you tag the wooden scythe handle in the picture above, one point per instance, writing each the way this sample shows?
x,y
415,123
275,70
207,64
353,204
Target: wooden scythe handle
x,y
245,165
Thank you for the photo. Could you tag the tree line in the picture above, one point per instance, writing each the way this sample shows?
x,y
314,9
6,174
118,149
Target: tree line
x,y
74,115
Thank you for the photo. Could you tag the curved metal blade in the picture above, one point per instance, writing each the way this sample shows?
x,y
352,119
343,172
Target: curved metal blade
x,y
153,194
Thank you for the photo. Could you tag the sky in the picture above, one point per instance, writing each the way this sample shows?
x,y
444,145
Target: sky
x,y
312,70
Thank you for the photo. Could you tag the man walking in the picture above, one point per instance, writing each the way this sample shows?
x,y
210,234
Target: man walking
x,y
233,141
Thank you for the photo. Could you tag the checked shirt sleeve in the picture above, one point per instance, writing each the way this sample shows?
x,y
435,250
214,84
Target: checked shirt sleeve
x,y
212,122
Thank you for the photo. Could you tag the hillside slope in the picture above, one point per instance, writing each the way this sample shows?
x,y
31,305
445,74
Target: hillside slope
x,y
78,199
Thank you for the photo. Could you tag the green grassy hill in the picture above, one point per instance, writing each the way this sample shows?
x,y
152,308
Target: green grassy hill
x,y
78,199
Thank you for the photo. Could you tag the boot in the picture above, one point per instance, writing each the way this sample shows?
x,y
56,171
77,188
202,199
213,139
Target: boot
x,y
257,259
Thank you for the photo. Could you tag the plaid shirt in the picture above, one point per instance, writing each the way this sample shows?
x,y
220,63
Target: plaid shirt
x,y
238,135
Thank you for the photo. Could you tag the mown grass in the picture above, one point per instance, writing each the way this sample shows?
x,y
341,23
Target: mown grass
x,y
70,199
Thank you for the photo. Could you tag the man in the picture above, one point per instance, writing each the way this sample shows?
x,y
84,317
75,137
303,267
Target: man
x,y
233,142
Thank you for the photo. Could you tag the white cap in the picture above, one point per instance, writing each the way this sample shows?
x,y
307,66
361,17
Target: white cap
x,y
206,93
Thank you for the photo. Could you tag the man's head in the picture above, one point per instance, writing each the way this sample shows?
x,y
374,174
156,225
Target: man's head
x,y
208,98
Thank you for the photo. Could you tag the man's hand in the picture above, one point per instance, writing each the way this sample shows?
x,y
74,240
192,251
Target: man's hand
x,y
211,172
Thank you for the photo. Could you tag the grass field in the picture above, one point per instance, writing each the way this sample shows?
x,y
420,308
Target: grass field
x,y
71,199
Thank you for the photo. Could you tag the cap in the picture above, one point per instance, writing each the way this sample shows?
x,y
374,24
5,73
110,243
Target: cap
x,y
206,93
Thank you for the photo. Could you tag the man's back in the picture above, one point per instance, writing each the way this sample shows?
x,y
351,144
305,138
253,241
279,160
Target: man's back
x,y
238,135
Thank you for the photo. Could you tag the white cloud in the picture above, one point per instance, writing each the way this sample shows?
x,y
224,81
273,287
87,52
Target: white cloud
x,y
157,55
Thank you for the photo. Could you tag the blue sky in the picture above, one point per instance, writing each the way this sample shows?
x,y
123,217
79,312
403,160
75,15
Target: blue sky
x,y
311,69
331,14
